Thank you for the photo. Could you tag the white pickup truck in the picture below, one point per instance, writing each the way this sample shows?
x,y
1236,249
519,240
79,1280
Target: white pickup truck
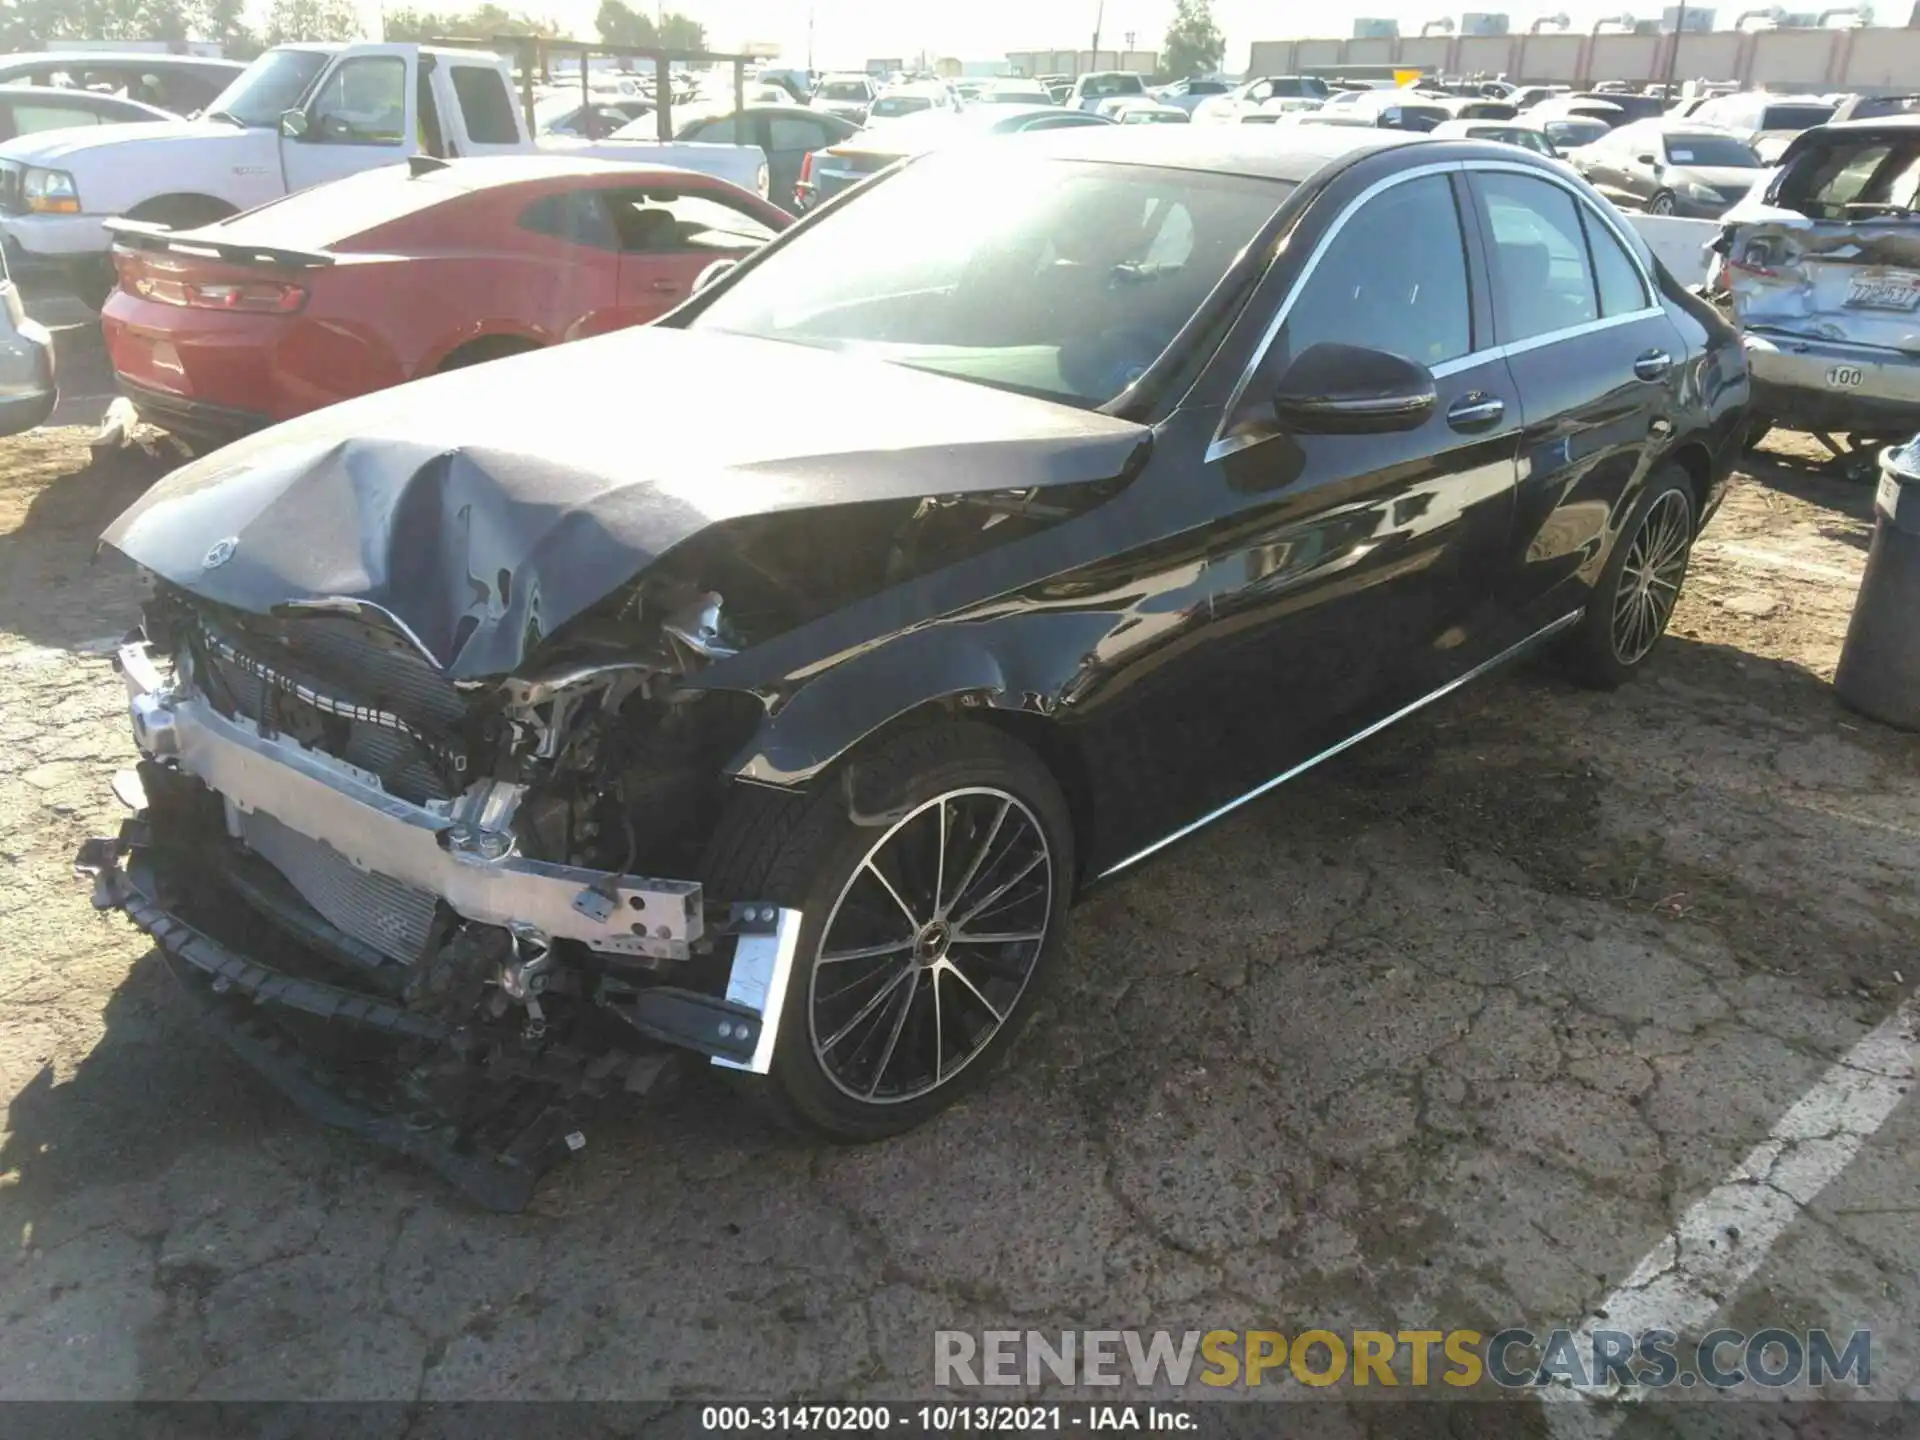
x,y
299,115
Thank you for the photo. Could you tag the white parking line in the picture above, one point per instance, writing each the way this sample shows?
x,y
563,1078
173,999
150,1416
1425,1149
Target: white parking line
x,y
1719,1244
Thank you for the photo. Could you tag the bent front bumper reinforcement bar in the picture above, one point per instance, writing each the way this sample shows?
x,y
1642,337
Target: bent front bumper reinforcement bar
x,y
431,849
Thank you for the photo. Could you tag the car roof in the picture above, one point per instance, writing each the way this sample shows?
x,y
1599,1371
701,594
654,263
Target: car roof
x,y
1290,153
76,59
485,172
1898,122
56,93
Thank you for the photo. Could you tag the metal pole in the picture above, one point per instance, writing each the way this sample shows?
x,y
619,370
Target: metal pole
x,y
1099,18
1673,55
810,44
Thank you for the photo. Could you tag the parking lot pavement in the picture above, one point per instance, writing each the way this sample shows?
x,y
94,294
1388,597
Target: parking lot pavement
x,y
1470,1028
80,359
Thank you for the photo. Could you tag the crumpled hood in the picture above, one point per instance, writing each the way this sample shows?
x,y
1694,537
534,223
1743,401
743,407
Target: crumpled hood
x,y
485,508
58,148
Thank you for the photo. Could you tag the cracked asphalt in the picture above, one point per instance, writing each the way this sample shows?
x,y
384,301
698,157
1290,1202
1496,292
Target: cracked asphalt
x,y
1449,1033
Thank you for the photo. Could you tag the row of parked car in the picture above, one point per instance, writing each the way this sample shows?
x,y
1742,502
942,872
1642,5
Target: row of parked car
x,y
222,315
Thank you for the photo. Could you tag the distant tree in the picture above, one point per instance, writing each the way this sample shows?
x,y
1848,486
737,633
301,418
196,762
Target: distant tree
x,y
291,20
225,21
679,32
419,25
620,24
1194,44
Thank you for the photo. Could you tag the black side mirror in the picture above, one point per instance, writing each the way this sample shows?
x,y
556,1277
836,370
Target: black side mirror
x,y
1333,389
1652,162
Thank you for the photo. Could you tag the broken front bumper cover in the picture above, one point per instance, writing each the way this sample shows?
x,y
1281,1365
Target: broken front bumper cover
x,y
466,864
265,994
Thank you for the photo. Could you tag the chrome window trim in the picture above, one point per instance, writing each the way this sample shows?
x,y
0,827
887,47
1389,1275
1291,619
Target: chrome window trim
x,y
1512,652
1223,445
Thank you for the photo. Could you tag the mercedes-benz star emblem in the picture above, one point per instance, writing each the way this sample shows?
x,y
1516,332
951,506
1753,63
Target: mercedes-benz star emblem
x,y
221,552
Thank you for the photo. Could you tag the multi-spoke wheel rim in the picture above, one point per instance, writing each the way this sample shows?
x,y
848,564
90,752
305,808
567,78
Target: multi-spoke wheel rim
x,y
1661,205
1650,580
930,945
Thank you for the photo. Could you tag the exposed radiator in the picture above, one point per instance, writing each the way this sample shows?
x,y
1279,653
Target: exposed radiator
x,y
393,918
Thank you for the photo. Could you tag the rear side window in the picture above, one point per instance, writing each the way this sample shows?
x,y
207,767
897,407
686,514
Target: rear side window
x,y
1373,287
714,132
485,104
665,223
1614,274
1542,281
577,217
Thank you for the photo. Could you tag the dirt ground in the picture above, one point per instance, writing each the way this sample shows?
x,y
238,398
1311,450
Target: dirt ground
x,y
1448,1033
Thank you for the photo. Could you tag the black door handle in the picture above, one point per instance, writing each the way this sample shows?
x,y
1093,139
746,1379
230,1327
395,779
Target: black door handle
x,y
1653,365
1475,411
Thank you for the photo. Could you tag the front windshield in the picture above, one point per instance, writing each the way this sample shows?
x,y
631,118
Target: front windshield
x,y
888,106
842,90
1052,278
269,87
1720,151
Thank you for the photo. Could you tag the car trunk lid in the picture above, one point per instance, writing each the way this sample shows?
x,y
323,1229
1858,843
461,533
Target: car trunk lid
x,y
1831,280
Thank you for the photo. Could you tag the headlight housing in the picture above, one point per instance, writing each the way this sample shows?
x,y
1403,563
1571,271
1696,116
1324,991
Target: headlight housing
x,y
1696,191
50,192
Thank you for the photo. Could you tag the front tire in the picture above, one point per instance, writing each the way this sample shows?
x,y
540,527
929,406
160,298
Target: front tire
x,y
934,873
1639,586
1661,204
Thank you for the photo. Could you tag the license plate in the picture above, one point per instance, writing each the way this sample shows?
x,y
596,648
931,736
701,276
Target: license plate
x,y
1885,292
1887,496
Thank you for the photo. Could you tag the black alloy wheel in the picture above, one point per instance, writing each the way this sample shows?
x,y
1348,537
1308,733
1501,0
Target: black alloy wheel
x,y
930,945
1634,598
933,871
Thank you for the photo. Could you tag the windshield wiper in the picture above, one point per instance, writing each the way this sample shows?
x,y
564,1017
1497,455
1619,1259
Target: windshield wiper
x,y
228,116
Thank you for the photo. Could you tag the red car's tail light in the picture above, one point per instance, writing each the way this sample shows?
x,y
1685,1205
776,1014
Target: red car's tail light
x,y
173,282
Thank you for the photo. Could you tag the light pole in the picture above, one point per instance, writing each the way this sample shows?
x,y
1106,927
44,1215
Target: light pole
x,y
1673,53
1099,17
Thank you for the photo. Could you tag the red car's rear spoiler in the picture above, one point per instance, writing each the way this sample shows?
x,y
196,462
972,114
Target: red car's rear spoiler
x,y
146,235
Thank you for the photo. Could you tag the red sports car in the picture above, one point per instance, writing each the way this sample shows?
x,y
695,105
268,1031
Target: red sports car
x,y
403,272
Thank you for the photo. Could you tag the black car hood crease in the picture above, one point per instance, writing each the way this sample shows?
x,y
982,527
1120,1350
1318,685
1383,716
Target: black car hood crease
x,y
484,509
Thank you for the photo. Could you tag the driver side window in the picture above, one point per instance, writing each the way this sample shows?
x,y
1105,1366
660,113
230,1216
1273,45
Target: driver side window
x,y
363,102
1394,278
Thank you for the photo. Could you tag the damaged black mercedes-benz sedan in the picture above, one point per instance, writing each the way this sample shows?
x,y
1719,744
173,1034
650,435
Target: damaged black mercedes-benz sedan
x,y
764,684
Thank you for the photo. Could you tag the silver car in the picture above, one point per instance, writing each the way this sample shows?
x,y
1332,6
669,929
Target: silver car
x,y
27,389
1824,272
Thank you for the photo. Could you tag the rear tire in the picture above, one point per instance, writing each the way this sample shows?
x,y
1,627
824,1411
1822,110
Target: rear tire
x,y
1638,588
894,1011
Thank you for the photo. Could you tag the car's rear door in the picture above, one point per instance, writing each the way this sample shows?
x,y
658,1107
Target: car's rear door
x,y
1355,572
1598,363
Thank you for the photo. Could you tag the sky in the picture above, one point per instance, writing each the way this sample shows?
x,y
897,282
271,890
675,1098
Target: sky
x,y
848,32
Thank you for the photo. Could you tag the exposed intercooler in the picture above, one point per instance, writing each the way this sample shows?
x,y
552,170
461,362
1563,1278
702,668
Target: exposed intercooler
x,y
389,916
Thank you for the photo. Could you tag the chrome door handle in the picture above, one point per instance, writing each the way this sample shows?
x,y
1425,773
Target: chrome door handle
x,y
1653,365
1475,411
